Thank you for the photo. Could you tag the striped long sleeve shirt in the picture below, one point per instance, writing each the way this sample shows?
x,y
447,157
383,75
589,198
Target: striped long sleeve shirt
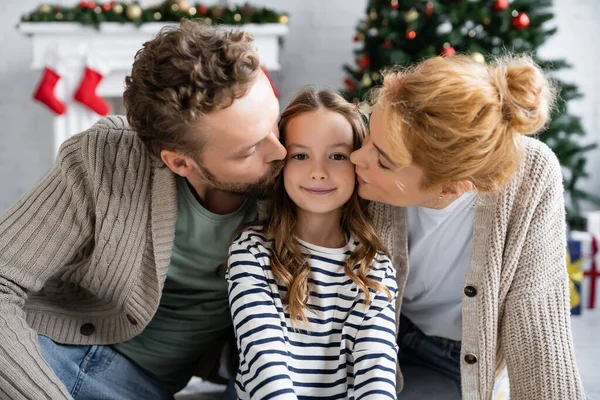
x,y
347,351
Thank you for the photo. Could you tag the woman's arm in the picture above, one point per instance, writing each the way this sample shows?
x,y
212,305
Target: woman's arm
x,y
257,323
375,351
536,327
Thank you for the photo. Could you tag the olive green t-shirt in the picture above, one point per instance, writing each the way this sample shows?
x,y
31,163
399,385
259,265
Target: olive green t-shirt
x,y
194,307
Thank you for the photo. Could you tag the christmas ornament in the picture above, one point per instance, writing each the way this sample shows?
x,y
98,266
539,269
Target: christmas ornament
x,y
237,17
364,61
284,20
373,15
133,11
444,28
359,37
500,5
411,35
411,15
217,12
203,10
388,44
521,21
477,56
157,16
117,8
394,6
44,8
351,86
487,20
106,6
44,92
366,80
429,9
448,50
184,6
95,70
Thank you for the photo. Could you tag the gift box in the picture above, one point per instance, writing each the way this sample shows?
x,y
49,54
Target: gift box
x,y
588,250
575,269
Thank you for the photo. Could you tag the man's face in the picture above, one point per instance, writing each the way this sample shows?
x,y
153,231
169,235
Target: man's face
x,y
242,153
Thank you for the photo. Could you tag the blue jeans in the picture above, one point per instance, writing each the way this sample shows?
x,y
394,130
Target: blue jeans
x,y
430,365
99,373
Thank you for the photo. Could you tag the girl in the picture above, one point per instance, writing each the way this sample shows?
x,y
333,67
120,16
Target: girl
x,y
474,219
312,294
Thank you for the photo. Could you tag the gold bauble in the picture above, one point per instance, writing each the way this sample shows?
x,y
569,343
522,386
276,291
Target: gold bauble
x,y
44,8
133,11
184,5
366,80
117,8
411,15
373,15
477,56
284,20
237,17
157,16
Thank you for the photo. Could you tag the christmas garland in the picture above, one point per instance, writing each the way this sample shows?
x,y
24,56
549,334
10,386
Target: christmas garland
x,y
93,14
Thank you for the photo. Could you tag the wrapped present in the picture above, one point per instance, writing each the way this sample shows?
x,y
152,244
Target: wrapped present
x,y
589,252
575,270
501,386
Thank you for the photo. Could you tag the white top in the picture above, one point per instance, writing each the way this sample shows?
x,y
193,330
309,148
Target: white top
x,y
439,248
347,352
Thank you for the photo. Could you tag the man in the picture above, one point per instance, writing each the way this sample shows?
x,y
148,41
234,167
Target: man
x,y
111,269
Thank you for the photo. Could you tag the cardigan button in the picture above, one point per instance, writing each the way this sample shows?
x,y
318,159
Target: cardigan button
x,y
87,329
470,358
470,291
131,320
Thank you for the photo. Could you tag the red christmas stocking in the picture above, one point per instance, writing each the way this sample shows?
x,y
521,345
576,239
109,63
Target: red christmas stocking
x,y
269,78
86,93
45,91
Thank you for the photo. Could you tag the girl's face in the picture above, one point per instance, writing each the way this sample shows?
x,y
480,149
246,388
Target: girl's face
x,y
318,175
380,179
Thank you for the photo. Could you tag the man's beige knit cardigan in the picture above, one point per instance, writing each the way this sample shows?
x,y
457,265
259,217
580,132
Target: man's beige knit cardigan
x,y
84,256
518,313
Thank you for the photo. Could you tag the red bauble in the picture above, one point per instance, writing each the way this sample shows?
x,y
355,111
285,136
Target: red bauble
x,y
84,4
106,6
364,62
411,35
388,44
500,5
394,5
521,21
351,86
203,10
448,52
356,38
429,9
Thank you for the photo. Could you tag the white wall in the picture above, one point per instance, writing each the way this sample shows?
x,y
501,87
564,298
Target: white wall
x,y
319,43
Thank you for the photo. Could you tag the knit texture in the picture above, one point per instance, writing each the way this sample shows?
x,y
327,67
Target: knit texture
x,y
520,316
90,244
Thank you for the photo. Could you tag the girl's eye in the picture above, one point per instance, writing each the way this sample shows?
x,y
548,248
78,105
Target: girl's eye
x,y
299,157
338,157
381,165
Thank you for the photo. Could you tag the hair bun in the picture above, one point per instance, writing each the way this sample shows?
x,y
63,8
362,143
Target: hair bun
x,y
526,94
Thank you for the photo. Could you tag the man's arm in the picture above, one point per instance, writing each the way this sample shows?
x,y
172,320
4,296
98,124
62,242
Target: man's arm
x,y
39,234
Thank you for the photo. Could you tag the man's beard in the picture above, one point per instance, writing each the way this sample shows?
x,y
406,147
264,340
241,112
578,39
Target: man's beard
x,y
261,189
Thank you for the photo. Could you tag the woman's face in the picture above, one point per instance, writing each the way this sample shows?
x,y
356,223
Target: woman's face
x,y
380,179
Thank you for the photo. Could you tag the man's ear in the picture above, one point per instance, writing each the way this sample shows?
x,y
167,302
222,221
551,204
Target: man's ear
x,y
180,164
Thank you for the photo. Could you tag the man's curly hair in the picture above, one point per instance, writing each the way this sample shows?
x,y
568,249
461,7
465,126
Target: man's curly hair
x,y
183,74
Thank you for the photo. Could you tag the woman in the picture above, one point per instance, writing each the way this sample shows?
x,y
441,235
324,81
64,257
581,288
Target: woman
x,y
474,220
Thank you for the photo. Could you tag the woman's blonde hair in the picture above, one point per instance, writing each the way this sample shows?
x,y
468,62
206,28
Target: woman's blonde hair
x,y
459,120
288,262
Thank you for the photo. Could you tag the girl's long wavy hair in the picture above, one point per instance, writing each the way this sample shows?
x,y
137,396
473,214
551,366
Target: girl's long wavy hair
x,y
288,263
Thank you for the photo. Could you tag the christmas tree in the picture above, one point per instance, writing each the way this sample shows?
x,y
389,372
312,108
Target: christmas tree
x,y
404,32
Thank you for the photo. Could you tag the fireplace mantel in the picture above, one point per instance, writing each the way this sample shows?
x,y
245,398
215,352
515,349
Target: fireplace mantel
x,y
117,45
